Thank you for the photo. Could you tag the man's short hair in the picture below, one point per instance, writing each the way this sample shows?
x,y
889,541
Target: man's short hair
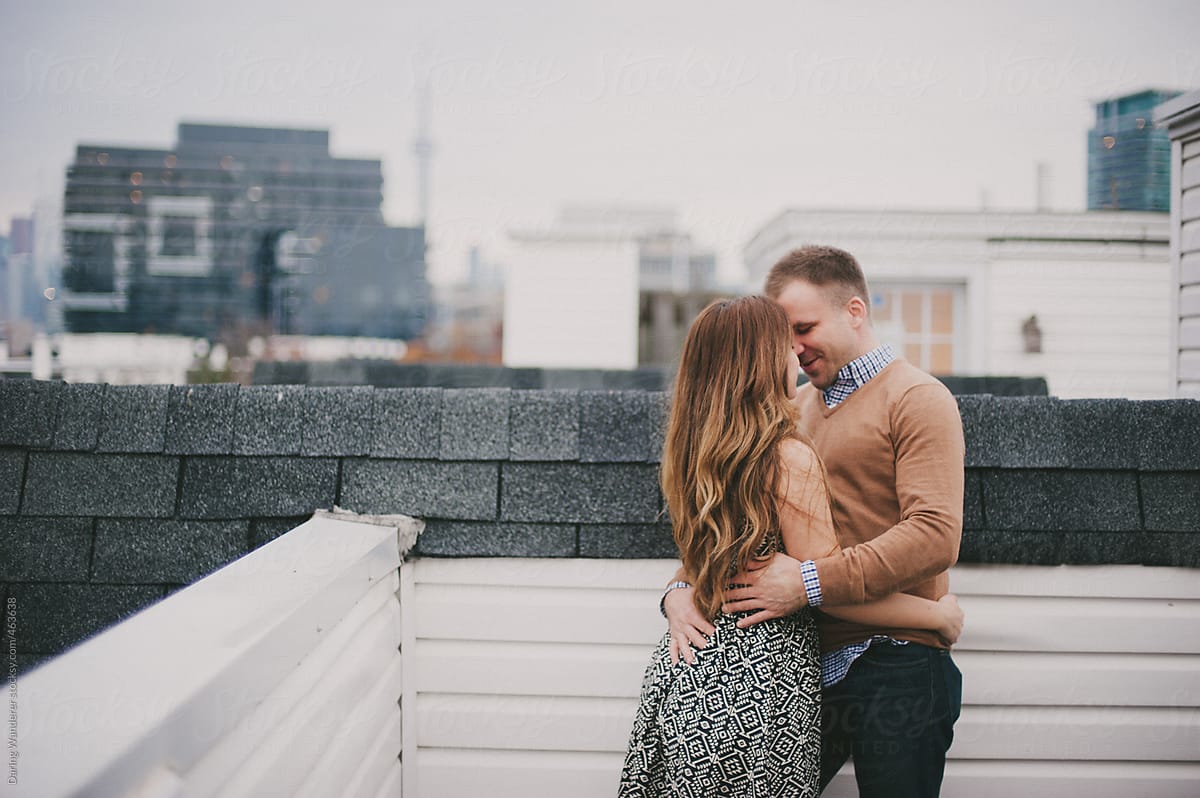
x,y
826,267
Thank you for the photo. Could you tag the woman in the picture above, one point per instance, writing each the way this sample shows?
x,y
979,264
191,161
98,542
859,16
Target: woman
x,y
740,484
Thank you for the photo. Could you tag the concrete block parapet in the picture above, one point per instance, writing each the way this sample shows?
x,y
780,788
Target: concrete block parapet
x,y
467,539
78,427
407,423
973,500
139,490
475,424
544,425
101,485
12,475
579,493
337,421
53,617
169,552
454,490
247,487
1010,547
28,412
1171,501
133,418
45,549
1043,432
615,427
268,420
626,541
1053,501
200,419
1169,435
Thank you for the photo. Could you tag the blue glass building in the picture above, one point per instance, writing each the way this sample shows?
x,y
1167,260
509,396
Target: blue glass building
x,y
1129,160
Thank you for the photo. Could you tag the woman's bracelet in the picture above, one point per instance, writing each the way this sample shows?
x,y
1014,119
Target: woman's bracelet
x,y
662,602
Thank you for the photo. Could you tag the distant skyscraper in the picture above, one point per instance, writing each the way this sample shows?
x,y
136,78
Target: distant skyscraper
x,y
1129,161
235,227
21,235
20,291
423,149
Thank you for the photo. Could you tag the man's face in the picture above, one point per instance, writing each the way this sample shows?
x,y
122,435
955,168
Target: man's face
x,y
824,336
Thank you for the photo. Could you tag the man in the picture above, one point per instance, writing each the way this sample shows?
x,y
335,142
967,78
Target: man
x,y
891,439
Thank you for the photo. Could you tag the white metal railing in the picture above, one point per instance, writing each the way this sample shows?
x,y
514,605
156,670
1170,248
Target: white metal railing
x,y
278,674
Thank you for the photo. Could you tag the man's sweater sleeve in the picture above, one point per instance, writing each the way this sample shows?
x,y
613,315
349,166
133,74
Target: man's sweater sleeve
x,y
927,439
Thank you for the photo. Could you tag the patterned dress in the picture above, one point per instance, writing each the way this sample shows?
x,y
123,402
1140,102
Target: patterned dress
x,y
743,722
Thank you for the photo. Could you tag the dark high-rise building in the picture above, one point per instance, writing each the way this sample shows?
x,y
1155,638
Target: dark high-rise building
x,y
237,227
1129,161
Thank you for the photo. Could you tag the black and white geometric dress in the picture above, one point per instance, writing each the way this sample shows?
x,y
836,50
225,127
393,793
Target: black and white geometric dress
x,y
743,722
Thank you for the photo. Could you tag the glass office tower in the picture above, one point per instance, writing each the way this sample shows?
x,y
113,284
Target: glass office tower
x,y
1129,161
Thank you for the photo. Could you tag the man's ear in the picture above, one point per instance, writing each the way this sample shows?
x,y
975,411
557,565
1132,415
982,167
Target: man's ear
x,y
857,309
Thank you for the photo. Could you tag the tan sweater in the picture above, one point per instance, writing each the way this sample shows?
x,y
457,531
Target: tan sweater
x,y
894,455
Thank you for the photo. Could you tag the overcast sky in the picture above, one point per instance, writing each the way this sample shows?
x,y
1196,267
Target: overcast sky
x,y
727,112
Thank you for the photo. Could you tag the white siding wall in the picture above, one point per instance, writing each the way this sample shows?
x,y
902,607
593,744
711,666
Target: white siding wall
x,y
523,676
1188,253
277,675
1102,315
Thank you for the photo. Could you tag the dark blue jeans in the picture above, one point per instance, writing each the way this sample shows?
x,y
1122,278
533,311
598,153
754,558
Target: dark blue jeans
x,y
894,713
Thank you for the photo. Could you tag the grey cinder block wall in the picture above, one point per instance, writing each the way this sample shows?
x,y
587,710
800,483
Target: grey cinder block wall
x,y
111,497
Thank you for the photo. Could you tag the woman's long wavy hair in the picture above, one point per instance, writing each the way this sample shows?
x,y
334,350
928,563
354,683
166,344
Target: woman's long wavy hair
x,y
729,411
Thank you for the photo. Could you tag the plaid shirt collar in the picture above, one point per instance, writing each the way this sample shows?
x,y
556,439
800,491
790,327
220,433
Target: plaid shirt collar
x,y
857,373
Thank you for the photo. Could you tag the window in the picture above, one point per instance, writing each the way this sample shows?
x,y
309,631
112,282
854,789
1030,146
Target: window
x,y
179,236
921,322
92,261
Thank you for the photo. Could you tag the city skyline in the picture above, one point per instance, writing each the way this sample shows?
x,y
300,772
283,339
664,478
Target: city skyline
x,y
728,116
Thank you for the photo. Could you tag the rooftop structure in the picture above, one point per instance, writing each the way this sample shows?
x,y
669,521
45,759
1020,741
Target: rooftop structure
x,y
1016,293
608,287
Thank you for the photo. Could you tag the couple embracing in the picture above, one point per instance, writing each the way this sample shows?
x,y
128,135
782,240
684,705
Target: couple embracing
x,y
810,621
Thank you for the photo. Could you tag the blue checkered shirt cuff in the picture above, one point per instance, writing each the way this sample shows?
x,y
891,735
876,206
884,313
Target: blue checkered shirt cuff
x,y
812,585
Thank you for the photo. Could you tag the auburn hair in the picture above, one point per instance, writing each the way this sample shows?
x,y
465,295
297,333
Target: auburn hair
x,y
720,464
